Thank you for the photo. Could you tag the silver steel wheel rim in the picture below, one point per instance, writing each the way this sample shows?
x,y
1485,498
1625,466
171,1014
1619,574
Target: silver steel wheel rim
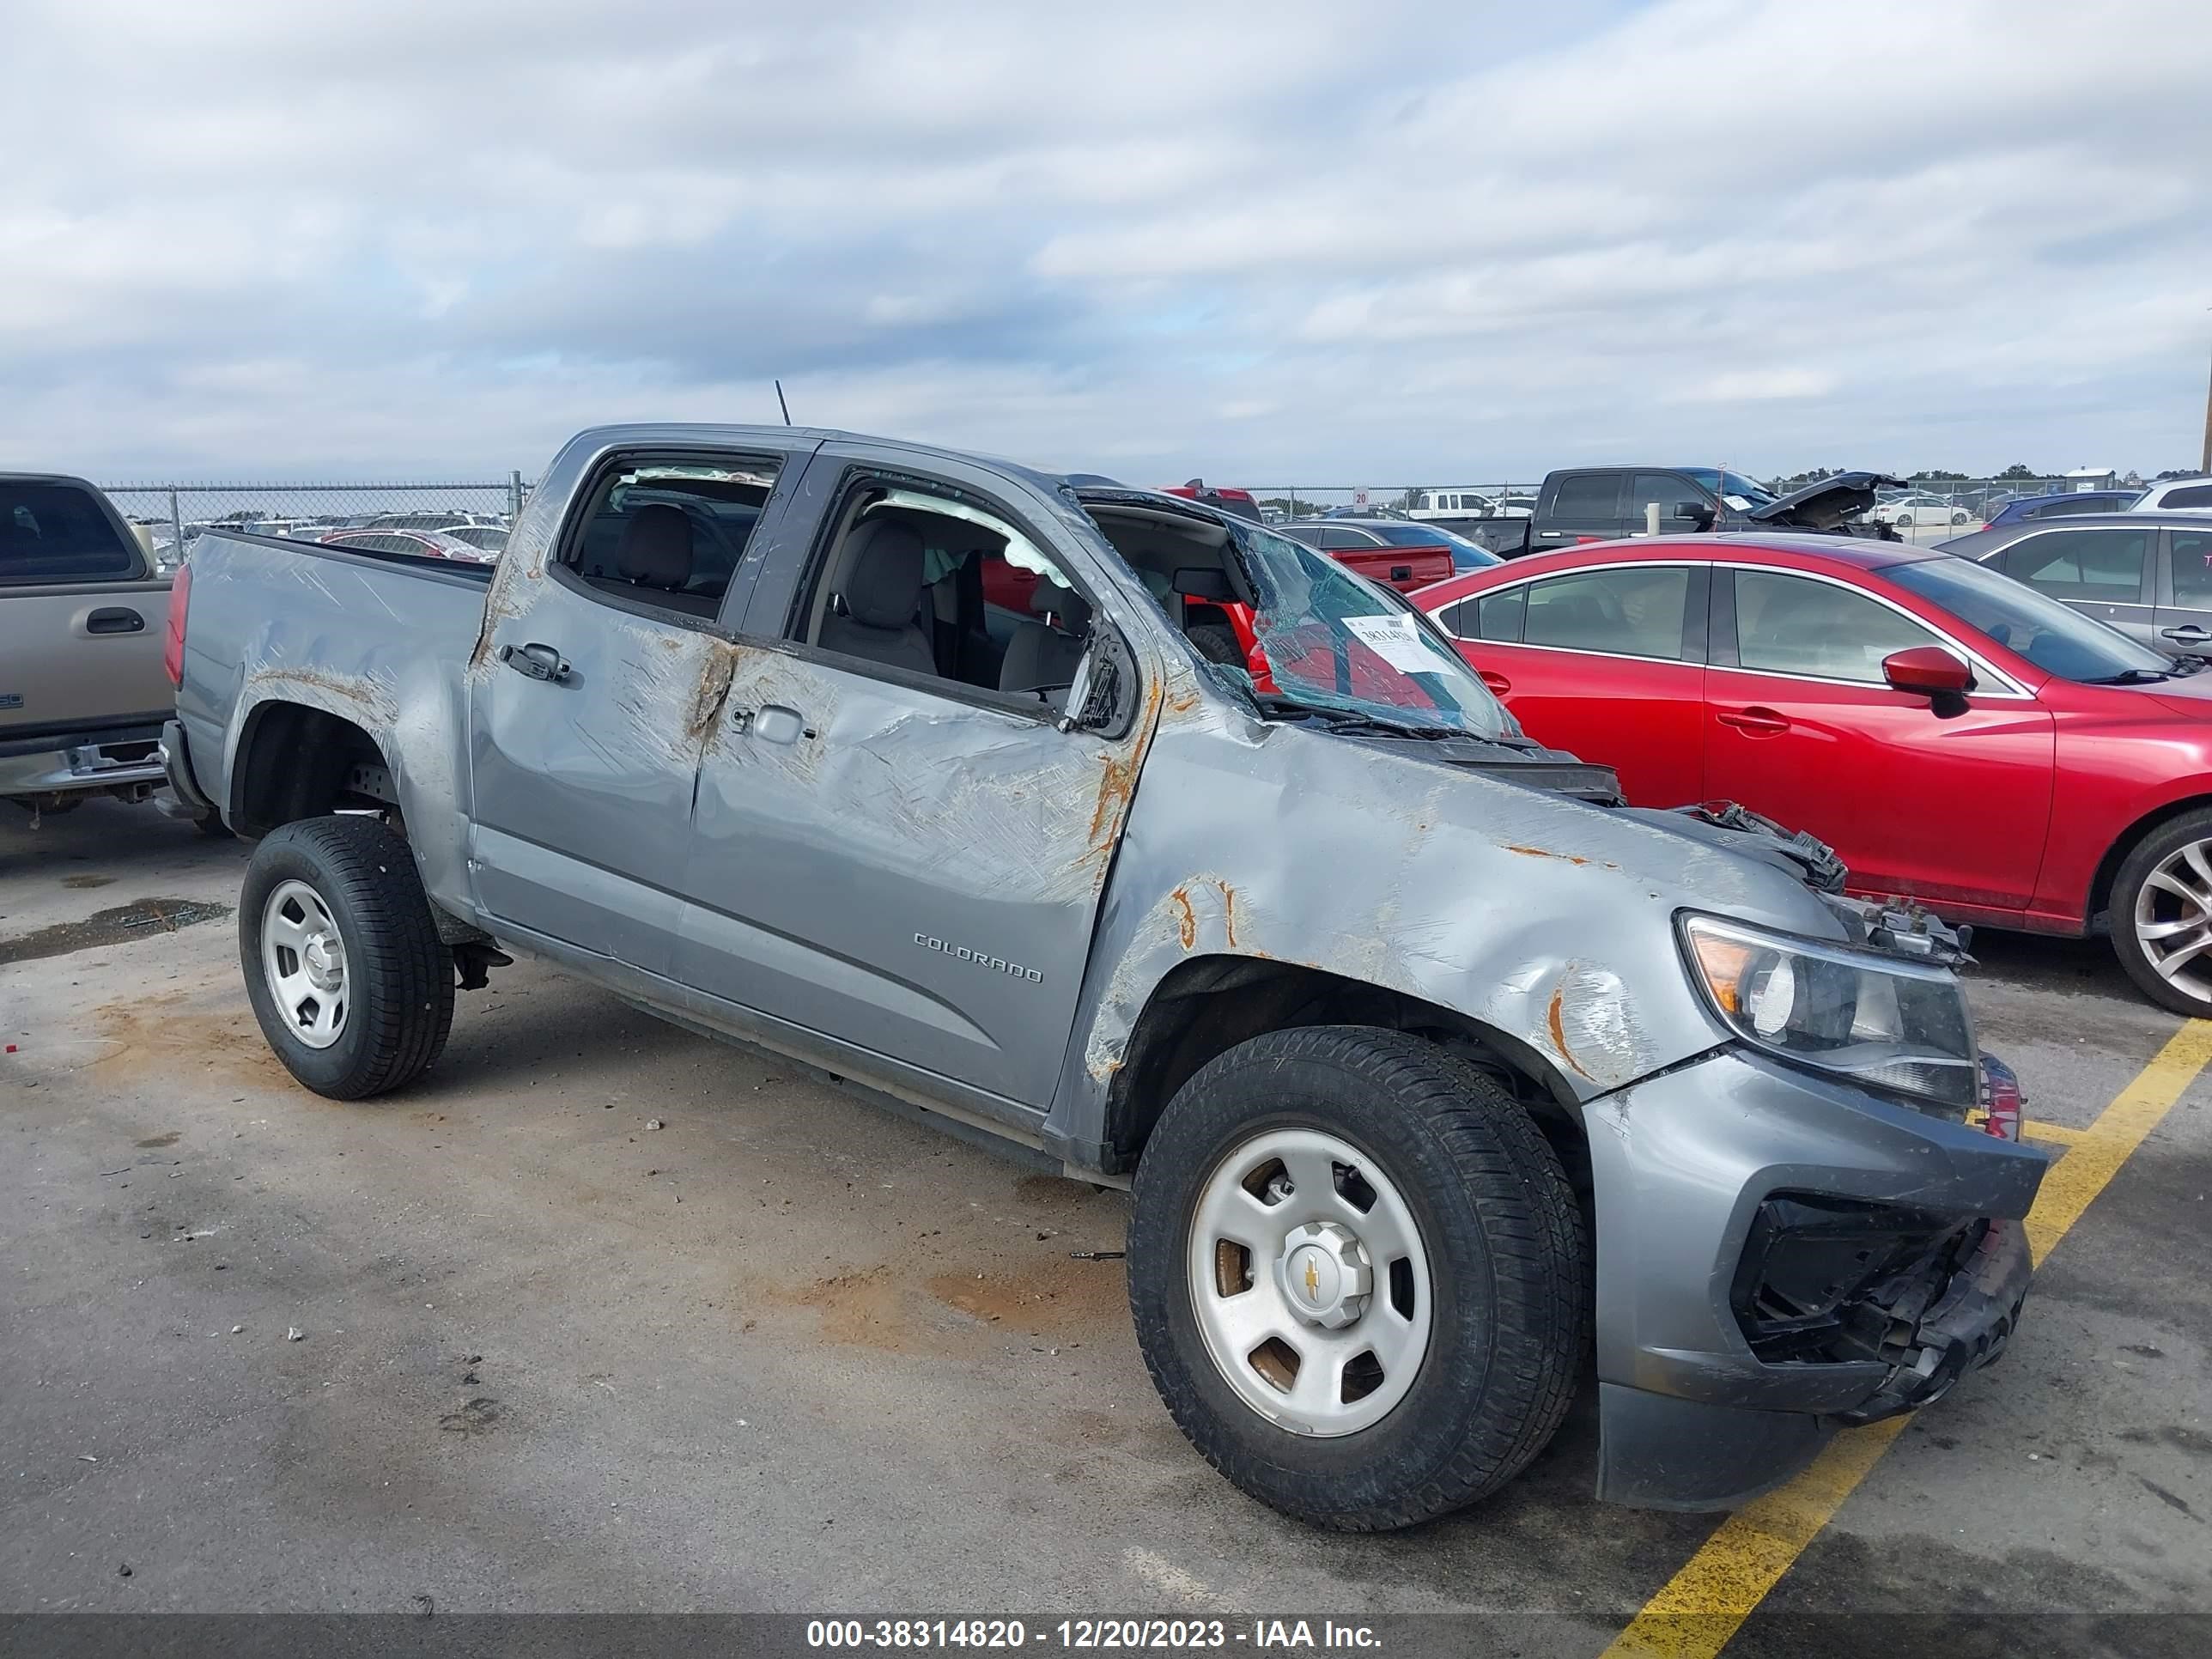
x,y
1282,1227
303,959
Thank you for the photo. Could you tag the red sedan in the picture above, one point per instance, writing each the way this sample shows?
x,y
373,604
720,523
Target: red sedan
x,y
1955,734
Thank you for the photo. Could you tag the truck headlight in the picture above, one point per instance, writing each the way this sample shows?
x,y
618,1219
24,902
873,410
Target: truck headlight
x,y
1890,1023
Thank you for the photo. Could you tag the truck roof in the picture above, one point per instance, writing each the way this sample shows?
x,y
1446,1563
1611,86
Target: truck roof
x,y
719,434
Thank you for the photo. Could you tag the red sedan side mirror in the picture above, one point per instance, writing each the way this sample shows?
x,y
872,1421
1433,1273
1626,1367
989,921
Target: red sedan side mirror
x,y
1927,670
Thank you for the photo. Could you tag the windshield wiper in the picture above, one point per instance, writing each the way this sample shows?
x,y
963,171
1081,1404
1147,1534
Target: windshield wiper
x,y
1356,722
2132,677
1345,720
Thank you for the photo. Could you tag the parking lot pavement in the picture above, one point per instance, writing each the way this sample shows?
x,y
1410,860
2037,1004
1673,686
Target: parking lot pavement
x,y
787,1351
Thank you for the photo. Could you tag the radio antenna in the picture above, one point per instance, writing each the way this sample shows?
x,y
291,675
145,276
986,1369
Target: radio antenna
x,y
780,404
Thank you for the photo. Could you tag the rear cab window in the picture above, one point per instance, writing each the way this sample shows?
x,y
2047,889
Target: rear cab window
x,y
55,532
666,534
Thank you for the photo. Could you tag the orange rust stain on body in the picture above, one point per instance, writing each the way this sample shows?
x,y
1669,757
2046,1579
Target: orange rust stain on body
x,y
1182,702
1117,783
1114,786
1558,1028
1188,926
1539,853
1229,912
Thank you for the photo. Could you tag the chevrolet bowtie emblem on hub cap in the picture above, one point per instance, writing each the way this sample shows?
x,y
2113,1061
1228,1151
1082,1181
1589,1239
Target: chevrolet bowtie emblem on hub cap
x,y
1325,1274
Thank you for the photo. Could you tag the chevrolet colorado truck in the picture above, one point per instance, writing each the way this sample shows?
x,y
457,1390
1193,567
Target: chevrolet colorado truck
x,y
1429,1066
82,696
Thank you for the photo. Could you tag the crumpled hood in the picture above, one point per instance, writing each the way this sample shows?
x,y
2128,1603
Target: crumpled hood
x,y
1667,859
1549,921
1825,505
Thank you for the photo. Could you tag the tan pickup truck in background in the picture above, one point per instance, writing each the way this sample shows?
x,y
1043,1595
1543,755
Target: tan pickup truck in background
x,y
82,618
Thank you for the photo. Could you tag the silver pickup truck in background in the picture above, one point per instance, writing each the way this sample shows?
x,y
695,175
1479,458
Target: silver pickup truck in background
x,y
82,695
1430,1065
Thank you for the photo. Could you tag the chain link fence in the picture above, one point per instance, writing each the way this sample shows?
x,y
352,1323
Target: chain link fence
x,y
447,517
170,517
1424,501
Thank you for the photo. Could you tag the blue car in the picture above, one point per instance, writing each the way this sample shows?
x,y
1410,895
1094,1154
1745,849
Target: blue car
x,y
2065,506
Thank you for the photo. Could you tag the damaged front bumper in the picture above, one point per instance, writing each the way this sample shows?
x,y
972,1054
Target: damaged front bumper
x,y
1950,1314
1781,1254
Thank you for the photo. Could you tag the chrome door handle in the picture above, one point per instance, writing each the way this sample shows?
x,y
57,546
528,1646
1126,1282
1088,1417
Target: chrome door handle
x,y
2188,634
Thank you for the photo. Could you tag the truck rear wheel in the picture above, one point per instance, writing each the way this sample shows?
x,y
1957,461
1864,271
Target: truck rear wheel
x,y
1358,1275
344,965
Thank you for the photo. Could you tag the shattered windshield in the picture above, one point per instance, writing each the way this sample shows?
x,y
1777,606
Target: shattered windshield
x,y
1335,642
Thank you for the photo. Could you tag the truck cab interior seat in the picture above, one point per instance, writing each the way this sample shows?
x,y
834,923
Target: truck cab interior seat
x,y
876,600
655,553
1042,654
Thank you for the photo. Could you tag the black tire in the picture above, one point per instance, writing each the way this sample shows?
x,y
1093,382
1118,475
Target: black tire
x,y
1217,642
1509,1271
2152,850
399,977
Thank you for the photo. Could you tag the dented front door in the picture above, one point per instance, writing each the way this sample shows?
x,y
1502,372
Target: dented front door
x,y
912,874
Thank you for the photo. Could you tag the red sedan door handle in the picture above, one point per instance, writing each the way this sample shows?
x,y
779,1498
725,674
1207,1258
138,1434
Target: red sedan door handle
x,y
1755,722
1498,685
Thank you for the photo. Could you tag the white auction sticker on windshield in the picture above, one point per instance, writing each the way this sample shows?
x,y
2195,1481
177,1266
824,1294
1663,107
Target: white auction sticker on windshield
x,y
1740,503
1397,641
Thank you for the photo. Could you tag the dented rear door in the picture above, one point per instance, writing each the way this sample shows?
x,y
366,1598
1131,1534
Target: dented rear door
x,y
588,707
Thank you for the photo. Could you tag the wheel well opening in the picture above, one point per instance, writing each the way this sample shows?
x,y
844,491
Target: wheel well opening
x,y
1207,1006
299,762
2108,868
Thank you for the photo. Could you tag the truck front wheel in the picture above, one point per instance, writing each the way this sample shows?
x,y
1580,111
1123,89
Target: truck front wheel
x,y
1358,1275
342,962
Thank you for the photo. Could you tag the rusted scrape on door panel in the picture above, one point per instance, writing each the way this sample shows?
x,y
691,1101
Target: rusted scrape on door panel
x,y
516,582
712,688
1117,786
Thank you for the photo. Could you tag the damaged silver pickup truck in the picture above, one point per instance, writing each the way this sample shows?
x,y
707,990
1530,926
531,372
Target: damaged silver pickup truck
x,y
1429,1064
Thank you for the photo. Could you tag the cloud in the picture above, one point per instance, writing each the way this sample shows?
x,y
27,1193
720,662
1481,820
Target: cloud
x,y
1257,242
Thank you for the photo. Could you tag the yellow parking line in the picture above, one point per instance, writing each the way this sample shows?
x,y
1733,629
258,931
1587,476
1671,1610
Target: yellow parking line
x,y
1700,1608
2057,1133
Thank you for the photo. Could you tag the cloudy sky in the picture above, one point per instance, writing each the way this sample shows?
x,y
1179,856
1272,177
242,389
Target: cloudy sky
x,y
1284,242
